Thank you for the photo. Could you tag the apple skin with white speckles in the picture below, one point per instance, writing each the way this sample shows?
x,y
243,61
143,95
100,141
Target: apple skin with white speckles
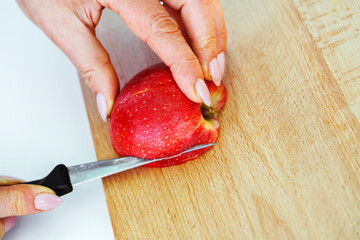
x,y
152,118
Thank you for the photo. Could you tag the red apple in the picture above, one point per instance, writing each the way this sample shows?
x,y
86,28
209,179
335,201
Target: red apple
x,y
152,118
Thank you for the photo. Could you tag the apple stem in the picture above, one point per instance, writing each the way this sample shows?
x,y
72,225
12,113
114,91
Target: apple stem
x,y
208,112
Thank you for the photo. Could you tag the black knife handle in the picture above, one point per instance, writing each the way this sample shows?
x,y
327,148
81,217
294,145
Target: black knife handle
x,y
58,180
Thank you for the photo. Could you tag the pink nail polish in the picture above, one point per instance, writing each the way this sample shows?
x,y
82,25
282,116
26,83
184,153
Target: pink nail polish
x,y
203,91
46,201
215,71
101,103
9,223
221,61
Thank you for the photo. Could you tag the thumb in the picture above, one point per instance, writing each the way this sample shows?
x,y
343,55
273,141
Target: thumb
x,y
18,200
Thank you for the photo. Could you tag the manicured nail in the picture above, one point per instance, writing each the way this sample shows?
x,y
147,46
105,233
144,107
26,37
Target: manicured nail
x,y
203,91
101,103
221,61
215,71
47,201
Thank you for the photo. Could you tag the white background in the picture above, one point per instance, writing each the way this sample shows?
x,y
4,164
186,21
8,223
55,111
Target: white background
x,y
43,123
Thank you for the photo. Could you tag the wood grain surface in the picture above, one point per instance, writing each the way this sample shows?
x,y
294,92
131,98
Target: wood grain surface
x,y
287,162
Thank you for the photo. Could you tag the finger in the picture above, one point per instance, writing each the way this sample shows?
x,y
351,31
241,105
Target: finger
x,y
17,200
221,35
177,17
153,24
221,31
7,224
199,21
2,228
6,181
72,29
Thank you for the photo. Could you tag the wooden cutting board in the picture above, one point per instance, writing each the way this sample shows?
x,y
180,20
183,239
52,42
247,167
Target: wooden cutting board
x,y
287,162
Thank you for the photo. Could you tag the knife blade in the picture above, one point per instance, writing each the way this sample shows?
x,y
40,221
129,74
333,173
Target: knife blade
x,y
62,179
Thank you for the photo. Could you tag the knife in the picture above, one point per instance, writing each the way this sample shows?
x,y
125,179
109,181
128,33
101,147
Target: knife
x,y
62,179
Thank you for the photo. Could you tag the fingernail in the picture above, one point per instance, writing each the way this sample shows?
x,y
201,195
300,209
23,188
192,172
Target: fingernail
x,y
9,223
47,201
215,71
203,91
101,103
221,61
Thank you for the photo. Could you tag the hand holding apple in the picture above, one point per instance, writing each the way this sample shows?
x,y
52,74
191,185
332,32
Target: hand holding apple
x,y
152,118
165,27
